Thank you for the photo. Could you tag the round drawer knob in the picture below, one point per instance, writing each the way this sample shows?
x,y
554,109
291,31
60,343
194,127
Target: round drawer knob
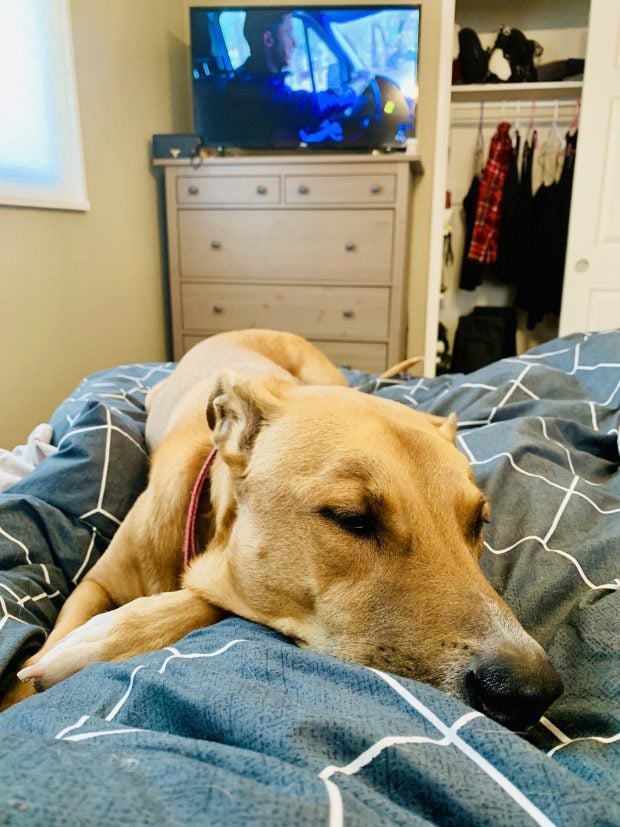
x,y
582,265
193,189
350,246
303,189
348,314
261,189
215,244
375,189
217,308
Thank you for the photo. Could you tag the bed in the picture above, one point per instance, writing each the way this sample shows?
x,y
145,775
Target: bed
x,y
235,725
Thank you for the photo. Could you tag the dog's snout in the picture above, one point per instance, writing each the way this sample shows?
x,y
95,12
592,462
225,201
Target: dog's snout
x,y
512,689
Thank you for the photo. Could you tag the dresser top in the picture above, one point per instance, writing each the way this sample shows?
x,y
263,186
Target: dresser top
x,y
278,158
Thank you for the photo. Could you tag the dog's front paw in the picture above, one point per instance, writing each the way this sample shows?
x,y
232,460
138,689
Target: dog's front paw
x,y
81,647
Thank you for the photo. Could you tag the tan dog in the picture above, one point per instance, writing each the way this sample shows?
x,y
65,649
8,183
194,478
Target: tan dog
x,y
347,522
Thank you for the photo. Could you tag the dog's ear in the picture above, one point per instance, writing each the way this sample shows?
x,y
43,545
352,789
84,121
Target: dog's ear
x,y
238,408
446,425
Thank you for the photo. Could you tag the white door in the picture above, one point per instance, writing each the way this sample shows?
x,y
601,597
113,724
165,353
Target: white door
x,y
591,297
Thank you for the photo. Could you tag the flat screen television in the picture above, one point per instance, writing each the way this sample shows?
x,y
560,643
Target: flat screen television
x,y
276,77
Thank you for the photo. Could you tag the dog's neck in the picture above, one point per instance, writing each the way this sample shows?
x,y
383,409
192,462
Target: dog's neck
x,y
191,545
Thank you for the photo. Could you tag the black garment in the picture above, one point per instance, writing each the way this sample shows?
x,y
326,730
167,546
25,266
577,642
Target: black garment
x,y
524,219
471,271
565,186
544,278
506,269
545,273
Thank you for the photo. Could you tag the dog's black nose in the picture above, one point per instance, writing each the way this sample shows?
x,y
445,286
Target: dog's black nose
x,y
513,690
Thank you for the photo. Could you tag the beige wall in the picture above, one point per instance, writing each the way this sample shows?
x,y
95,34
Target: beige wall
x,y
84,291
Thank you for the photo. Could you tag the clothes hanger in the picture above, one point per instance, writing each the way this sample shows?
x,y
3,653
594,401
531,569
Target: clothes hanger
x,y
551,150
517,132
532,133
574,124
479,147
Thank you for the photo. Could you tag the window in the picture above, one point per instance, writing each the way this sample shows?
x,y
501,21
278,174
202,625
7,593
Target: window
x,y
231,24
41,162
325,64
300,76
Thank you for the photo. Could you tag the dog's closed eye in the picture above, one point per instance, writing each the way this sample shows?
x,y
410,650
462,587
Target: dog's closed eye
x,y
481,517
360,524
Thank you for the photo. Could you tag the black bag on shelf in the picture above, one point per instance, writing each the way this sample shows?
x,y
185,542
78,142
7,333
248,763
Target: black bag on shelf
x,y
484,336
474,60
520,52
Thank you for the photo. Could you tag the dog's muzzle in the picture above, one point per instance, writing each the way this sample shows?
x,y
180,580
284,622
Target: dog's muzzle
x,y
512,690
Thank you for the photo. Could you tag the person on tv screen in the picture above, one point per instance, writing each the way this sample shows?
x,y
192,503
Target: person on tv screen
x,y
273,111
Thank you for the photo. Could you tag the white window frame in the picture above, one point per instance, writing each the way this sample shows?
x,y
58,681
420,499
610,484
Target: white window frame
x,y
50,175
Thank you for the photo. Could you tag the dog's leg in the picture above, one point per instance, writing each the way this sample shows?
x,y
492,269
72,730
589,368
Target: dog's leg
x,y
86,601
143,625
144,558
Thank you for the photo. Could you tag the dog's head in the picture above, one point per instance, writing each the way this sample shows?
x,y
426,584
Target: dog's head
x,y
353,525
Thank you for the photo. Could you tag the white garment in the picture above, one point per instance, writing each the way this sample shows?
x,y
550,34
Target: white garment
x,y
16,464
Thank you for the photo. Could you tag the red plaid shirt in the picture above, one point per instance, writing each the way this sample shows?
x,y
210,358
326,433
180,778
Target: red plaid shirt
x,y
483,247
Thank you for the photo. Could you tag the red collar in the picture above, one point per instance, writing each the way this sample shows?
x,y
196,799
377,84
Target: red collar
x,y
189,545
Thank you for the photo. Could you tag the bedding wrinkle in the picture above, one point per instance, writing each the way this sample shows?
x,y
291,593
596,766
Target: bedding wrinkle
x,y
18,463
451,736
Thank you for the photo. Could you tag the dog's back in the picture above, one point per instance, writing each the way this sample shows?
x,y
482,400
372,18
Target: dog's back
x,y
255,352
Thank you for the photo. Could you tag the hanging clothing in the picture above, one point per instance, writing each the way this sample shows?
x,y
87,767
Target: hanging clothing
x,y
524,223
483,247
545,250
471,271
565,186
506,266
542,291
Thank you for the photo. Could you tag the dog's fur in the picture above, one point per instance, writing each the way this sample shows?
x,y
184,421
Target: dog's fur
x,y
348,522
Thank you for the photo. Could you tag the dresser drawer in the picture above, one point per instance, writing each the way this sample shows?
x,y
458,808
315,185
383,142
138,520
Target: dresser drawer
x,y
228,189
190,341
367,356
291,246
339,189
325,312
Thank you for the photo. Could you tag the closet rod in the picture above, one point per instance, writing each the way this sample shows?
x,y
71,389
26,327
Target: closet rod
x,y
525,105
538,112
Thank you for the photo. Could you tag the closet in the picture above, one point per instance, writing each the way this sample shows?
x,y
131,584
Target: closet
x,y
547,109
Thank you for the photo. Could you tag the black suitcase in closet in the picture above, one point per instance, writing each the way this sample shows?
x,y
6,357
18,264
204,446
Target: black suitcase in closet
x,y
484,336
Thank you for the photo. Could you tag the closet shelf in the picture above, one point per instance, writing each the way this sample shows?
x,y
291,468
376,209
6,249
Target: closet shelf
x,y
516,91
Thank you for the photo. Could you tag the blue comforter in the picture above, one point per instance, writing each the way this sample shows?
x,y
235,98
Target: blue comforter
x,y
235,725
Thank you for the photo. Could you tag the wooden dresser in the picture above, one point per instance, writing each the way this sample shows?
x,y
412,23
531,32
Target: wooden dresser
x,y
317,246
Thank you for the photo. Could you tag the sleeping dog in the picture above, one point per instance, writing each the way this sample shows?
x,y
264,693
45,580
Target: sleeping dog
x,y
347,522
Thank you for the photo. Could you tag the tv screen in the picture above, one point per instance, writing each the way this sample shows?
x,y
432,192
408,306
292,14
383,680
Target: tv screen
x,y
309,76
